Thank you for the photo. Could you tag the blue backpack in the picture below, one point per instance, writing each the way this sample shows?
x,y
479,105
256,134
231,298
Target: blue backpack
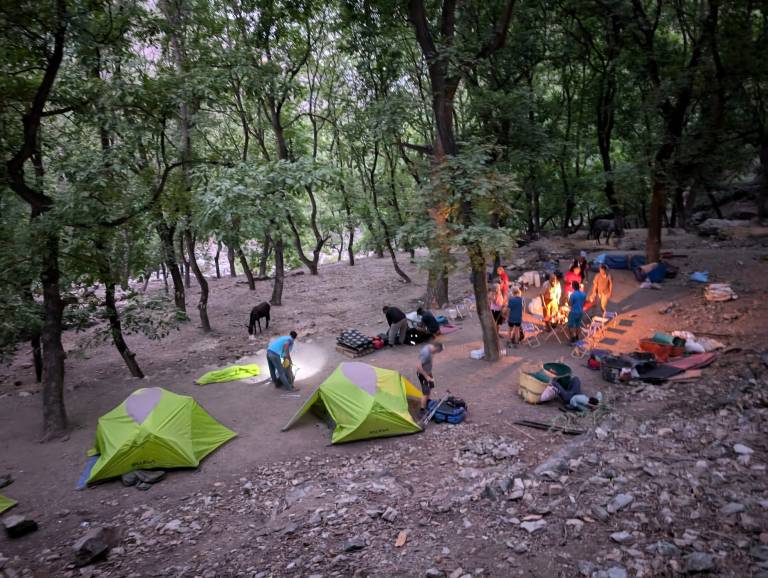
x,y
453,410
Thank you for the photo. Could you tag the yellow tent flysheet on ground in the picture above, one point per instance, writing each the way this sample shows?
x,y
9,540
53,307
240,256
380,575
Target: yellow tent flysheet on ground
x,y
154,428
6,503
364,402
232,373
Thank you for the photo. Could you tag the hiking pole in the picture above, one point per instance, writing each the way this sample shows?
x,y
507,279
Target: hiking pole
x,y
431,414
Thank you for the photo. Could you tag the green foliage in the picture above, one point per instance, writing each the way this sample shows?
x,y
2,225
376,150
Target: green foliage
x,y
345,86
152,316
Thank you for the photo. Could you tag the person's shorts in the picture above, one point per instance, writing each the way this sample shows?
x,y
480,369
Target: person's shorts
x,y
513,324
574,320
426,386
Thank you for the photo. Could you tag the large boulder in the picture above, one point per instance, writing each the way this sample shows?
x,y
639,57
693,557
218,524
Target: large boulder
x,y
96,544
720,228
18,526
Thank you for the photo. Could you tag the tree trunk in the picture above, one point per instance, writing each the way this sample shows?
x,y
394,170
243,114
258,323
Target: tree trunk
x,y
184,262
762,199
264,258
679,217
480,287
380,217
444,82
54,413
340,252
403,275
715,206
570,206
216,259
166,233
350,227
231,259
117,331
37,357
310,263
277,288
34,340
606,111
351,246
202,304
436,294
246,269
165,276
655,222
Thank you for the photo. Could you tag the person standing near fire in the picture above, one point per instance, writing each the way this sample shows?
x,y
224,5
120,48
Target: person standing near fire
x,y
602,288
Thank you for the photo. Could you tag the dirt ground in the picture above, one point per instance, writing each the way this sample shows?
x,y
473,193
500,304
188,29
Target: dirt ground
x,y
243,537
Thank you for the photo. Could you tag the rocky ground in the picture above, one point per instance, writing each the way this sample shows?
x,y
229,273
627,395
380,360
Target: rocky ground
x,y
665,483
668,480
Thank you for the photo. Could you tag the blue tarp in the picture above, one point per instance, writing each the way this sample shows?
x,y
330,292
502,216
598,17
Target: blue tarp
x,y
82,483
700,276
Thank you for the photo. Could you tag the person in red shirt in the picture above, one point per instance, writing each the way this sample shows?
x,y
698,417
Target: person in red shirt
x,y
504,282
573,274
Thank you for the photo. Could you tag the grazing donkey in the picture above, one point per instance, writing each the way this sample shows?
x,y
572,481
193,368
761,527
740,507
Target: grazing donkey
x,y
607,226
257,313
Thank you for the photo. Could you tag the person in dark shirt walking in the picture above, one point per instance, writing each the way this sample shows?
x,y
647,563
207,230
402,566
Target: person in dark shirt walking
x,y
398,325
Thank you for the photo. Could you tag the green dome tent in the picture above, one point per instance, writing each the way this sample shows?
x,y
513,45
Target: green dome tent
x,y
364,402
154,428
6,503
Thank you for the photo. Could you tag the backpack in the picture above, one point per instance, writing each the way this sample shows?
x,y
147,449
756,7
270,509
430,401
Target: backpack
x,y
415,336
453,410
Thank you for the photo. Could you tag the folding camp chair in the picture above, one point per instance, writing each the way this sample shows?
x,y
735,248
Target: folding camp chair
x,y
541,327
531,334
464,308
595,333
597,328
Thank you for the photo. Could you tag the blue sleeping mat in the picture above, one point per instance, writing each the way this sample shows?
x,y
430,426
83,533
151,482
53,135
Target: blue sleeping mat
x,y
617,261
636,261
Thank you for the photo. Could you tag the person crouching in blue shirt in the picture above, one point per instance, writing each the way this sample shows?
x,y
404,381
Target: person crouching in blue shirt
x,y
429,321
576,301
278,353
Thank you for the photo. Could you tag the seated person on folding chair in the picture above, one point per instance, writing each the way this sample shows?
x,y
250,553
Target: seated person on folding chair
x,y
515,318
551,298
576,301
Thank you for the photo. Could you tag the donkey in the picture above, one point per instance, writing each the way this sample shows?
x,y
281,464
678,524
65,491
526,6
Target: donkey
x,y
607,226
257,313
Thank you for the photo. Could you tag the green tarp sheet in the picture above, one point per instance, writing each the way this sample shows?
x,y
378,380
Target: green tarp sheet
x,y
232,373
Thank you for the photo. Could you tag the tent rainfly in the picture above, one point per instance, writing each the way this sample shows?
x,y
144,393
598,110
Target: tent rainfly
x,y
363,402
154,428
